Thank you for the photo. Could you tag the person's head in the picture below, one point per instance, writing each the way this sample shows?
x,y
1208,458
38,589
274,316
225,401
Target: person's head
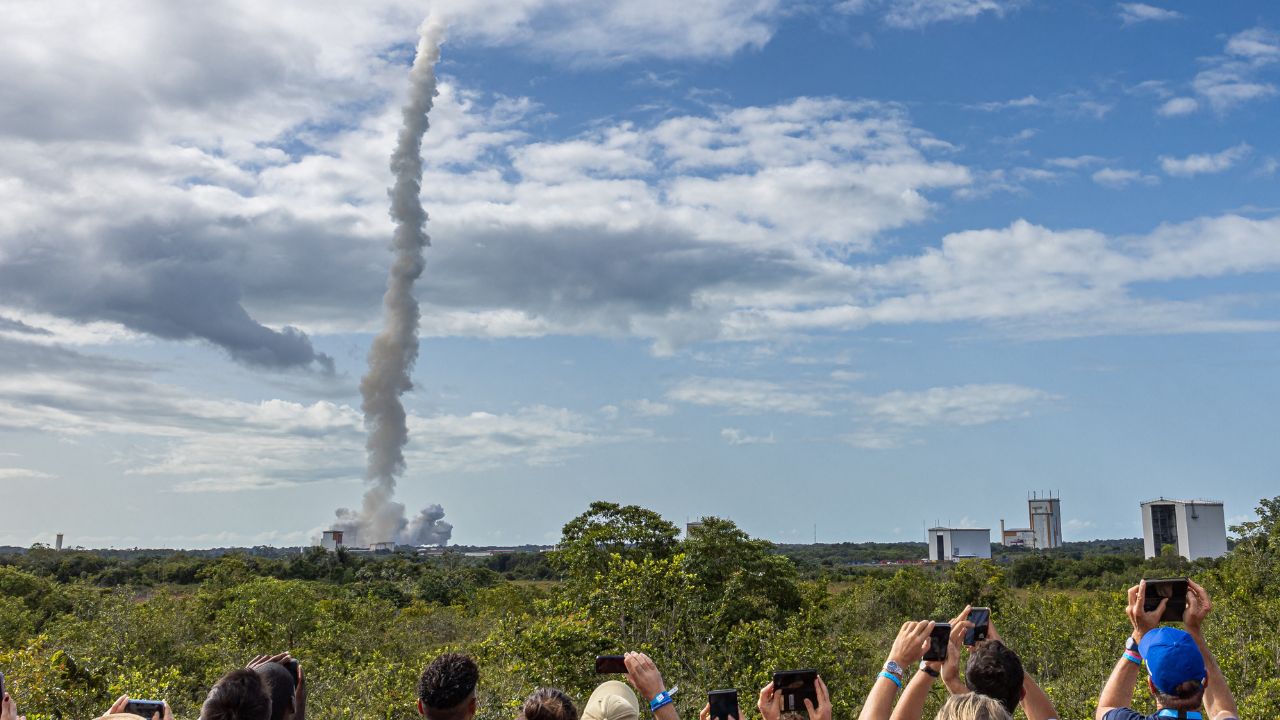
x,y
447,688
612,700
239,695
996,672
280,685
548,704
973,706
1175,668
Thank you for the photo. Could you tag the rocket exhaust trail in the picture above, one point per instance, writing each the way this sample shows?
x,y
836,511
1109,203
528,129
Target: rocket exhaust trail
x,y
395,349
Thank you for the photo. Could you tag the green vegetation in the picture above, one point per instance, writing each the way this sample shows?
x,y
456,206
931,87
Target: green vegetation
x,y
719,609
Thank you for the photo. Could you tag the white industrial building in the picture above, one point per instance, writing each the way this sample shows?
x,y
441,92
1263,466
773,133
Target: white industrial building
x,y
959,543
331,540
1197,528
1046,521
1017,537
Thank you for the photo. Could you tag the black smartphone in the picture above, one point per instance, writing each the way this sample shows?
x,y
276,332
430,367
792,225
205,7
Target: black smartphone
x,y
724,704
795,686
610,664
981,619
145,708
939,639
1173,589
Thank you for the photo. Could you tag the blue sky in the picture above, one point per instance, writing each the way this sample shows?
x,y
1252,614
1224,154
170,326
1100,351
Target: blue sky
x,y
867,264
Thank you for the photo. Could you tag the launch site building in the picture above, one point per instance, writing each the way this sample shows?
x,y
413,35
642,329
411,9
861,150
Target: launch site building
x,y
1196,528
331,540
959,543
1044,532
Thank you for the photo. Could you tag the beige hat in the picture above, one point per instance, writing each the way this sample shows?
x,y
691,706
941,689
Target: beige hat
x,y
613,700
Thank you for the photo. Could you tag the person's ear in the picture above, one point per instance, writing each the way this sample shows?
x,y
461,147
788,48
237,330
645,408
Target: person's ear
x,y
422,710
1022,694
472,706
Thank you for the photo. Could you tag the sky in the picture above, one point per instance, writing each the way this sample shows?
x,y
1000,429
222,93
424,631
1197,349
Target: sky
x,y
832,268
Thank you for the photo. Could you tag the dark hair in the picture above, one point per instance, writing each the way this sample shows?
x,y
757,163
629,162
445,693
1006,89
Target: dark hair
x,y
548,704
447,683
995,671
1186,696
239,695
280,686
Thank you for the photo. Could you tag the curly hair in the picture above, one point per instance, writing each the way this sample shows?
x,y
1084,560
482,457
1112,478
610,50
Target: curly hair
x,y
239,695
548,704
973,706
446,684
995,671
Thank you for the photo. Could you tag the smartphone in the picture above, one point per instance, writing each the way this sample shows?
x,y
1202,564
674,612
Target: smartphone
x,y
610,664
795,686
1175,589
724,704
939,639
145,708
981,619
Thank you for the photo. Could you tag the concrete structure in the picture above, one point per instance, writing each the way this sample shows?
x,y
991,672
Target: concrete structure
x,y
690,528
57,545
383,547
1016,537
1046,521
958,543
331,540
1197,528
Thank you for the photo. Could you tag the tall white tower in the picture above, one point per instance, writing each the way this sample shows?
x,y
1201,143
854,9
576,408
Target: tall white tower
x,y
1046,520
1196,528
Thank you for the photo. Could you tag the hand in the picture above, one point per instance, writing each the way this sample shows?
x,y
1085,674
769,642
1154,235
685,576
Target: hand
x,y
1143,621
992,633
823,711
955,644
770,704
643,675
9,709
912,642
300,696
260,660
117,706
1198,607
705,713
168,713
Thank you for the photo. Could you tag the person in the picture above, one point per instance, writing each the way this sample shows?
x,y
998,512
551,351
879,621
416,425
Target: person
x,y
548,704
238,695
288,691
9,709
614,700
973,706
770,702
994,670
1182,674
447,688
911,705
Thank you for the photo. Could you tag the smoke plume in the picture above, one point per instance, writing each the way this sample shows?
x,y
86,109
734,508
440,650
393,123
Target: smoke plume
x,y
395,349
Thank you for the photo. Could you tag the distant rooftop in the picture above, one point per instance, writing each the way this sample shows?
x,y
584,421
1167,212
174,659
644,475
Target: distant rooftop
x,y
1182,502
960,528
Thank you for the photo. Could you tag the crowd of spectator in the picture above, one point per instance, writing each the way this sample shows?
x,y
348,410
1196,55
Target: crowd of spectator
x,y
1182,676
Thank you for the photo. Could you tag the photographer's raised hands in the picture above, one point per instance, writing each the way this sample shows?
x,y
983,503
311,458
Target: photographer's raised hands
x,y
9,709
908,648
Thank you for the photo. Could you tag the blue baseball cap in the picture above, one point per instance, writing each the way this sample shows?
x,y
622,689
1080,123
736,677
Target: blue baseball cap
x,y
1172,658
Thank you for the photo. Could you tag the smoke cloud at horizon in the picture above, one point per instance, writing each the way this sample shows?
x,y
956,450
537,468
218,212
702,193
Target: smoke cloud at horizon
x,y
395,349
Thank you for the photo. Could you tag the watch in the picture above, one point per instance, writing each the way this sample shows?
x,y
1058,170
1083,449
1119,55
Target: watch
x,y
893,668
929,671
1132,646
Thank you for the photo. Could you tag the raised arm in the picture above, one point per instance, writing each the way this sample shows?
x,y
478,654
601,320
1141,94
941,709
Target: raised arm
x,y
1218,699
951,666
1118,692
911,704
908,648
643,675
1035,702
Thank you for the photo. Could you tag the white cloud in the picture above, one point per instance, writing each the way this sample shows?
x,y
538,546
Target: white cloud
x,y
1118,177
915,14
1025,101
1204,163
734,436
648,408
12,473
745,397
1178,106
964,406
1075,163
1236,77
1133,13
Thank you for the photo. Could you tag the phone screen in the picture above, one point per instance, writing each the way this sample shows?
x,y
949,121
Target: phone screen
x,y
724,704
795,686
606,664
938,641
1175,590
981,619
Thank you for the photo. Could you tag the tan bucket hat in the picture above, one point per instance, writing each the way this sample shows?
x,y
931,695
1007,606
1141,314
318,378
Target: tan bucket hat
x,y
613,700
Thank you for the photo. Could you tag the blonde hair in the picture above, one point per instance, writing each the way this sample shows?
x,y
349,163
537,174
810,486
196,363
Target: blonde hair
x,y
972,706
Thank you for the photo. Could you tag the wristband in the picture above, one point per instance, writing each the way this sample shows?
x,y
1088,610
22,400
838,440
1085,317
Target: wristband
x,y
1132,657
891,678
662,699
930,671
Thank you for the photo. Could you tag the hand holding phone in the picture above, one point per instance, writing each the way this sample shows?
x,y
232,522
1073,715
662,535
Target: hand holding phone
x,y
723,705
1172,589
981,619
147,709
939,639
796,686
